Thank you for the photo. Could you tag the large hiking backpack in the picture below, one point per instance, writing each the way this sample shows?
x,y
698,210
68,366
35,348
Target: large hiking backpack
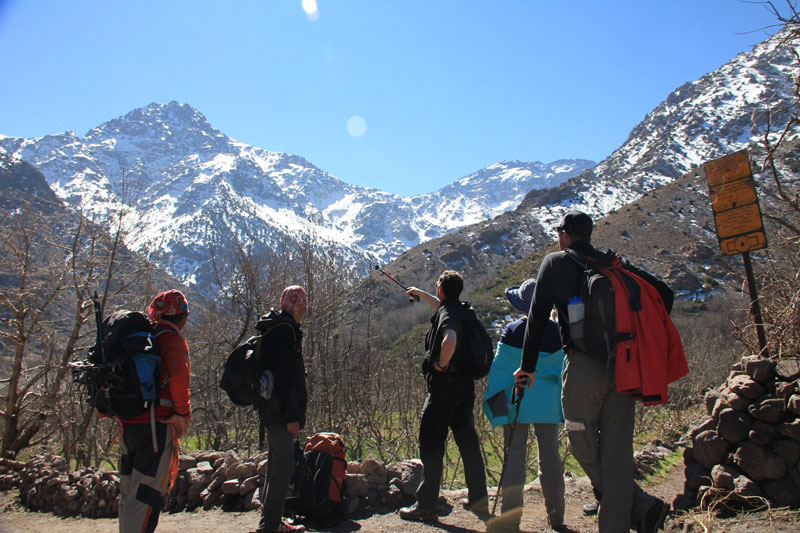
x,y
475,350
123,376
320,468
244,372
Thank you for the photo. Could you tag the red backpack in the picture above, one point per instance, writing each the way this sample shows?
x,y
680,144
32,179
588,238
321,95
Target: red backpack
x,y
323,448
319,474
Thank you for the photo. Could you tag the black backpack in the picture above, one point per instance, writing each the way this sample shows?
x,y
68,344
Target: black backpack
x,y
600,336
122,379
241,377
475,351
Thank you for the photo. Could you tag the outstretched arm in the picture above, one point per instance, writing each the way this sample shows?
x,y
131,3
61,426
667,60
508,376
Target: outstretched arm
x,y
426,297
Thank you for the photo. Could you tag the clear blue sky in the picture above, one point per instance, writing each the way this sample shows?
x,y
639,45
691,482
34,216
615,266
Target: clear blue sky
x,y
443,87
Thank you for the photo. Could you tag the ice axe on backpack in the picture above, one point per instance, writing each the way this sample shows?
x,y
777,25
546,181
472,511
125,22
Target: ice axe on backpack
x,y
413,298
516,399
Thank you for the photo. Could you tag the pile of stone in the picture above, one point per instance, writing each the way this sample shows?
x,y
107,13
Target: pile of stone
x,y
205,479
746,452
45,484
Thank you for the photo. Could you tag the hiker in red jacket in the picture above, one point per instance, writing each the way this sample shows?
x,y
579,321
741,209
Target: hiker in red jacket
x,y
598,418
149,448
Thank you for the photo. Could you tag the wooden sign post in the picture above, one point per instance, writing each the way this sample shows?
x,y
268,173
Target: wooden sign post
x,y
737,216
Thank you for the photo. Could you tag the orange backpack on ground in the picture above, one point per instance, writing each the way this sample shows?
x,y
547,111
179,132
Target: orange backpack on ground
x,y
320,468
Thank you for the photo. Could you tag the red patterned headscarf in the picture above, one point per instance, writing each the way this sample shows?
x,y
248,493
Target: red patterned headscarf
x,y
293,299
171,302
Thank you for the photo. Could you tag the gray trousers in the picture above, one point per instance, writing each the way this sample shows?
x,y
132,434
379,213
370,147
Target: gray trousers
x,y
550,473
144,475
280,469
599,422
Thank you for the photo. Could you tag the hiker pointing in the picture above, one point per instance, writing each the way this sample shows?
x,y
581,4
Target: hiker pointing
x,y
448,404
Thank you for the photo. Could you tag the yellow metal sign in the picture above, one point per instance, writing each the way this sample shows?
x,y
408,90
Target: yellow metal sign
x,y
735,204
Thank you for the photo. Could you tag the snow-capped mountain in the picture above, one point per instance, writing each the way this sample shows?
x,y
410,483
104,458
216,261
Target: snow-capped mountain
x,y
725,111
186,188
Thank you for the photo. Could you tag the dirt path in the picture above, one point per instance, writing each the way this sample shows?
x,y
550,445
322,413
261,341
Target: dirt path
x,y
14,519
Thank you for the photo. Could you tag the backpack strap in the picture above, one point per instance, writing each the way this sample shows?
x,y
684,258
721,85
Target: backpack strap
x,y
267,332
578,257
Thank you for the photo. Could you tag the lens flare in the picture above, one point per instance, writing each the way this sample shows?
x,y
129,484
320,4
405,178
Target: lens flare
x,y
310,8
356,126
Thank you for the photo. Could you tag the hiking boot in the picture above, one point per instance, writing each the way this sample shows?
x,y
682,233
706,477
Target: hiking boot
x,y
415,513
654,519
590,509
285,527
479,508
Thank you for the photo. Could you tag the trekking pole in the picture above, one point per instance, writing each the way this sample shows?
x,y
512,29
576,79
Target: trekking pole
x,y
98,318
516,399
412,298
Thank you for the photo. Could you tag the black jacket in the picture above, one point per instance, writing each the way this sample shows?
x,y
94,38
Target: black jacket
x,y
559,280
448,315
282,354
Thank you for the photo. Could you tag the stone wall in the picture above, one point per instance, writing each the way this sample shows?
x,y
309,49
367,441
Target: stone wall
x,y
205,480
746,451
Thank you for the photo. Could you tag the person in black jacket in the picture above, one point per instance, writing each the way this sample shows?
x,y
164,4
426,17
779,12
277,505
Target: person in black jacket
x,y
284,413
448,404
599,420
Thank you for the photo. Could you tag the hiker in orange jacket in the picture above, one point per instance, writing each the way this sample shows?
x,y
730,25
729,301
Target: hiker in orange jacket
x,y
149,447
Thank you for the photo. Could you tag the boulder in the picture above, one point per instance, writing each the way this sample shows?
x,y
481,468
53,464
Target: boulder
x,y
758,368
709,448
372,467
788,368
746,386
392,497
355,485
763,433
723,476
353,467
790,429
696,476
250,501
770,410
793,404
230,487
784,492
707,423
734,426
758,463
198,479
787,449
248,485
185,462
411,475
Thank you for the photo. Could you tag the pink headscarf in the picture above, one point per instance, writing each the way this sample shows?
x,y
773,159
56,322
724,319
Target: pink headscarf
x,y
293,299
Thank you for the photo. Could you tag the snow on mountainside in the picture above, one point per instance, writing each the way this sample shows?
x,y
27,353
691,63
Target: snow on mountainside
x,y
186,187
722,112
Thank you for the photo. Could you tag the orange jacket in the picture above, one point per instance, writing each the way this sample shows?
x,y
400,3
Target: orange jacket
x,y
174,376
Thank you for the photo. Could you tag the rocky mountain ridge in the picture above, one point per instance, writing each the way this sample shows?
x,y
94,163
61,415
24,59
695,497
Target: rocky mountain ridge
x,y
185,188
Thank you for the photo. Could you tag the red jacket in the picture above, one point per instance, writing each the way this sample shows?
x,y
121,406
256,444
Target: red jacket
x,y
174,376
654,357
